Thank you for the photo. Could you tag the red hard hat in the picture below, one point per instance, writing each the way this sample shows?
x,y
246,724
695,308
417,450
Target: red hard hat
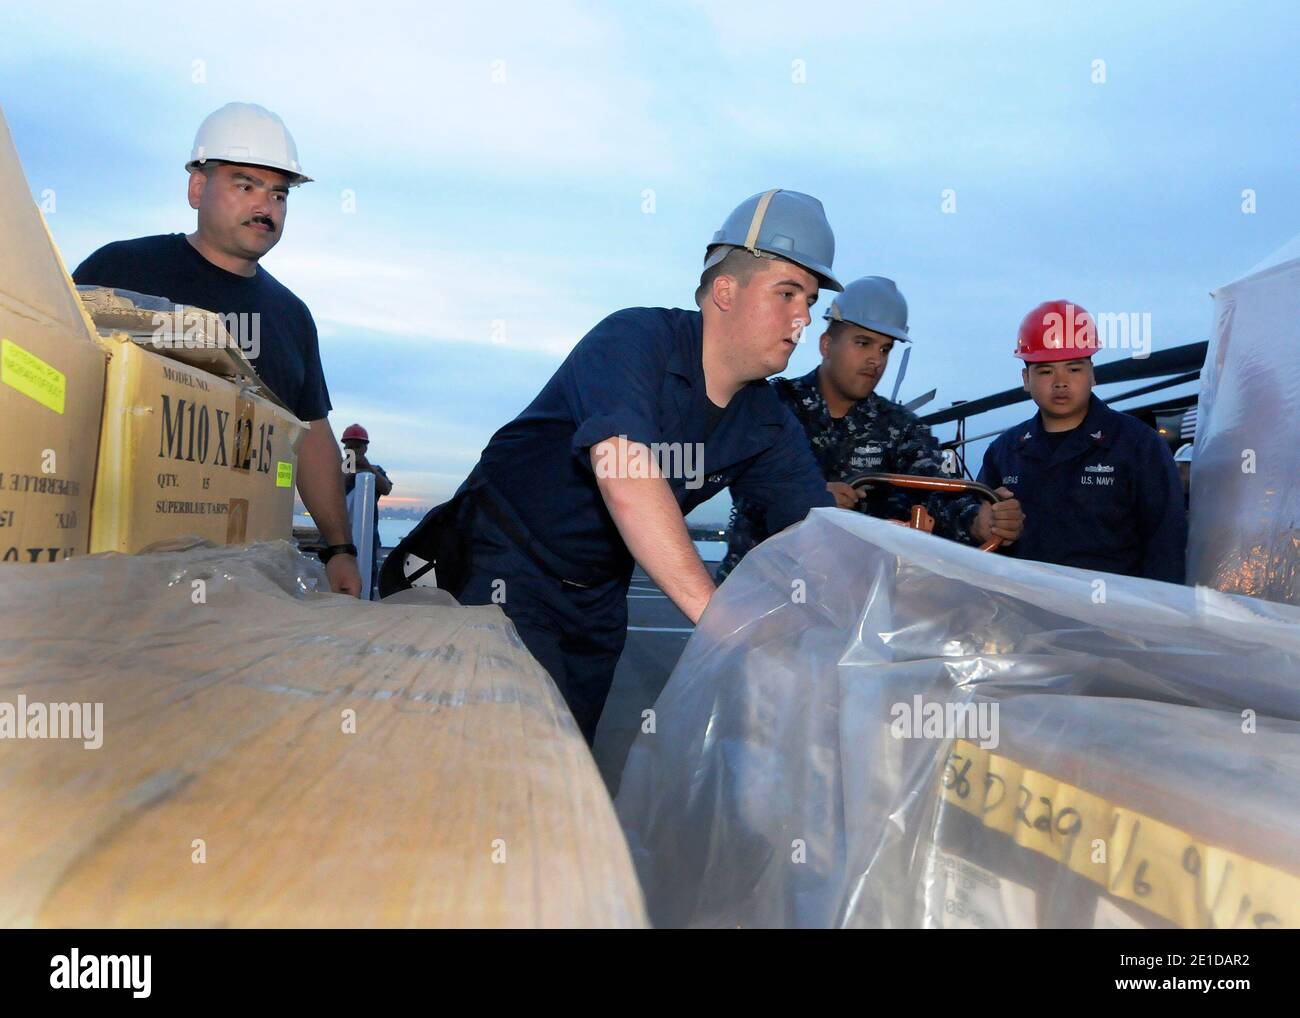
x,y
1057,330
355,431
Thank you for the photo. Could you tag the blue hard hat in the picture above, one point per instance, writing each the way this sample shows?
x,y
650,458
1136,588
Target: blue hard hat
x,y
872,302
784,224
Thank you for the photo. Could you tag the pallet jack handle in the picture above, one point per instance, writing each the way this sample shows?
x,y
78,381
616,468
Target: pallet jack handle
x,y
921,519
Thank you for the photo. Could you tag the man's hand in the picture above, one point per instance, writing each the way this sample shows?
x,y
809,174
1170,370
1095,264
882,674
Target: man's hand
x,y
1002,519
343,575
845,497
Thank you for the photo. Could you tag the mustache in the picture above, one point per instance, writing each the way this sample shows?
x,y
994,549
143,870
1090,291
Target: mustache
x,y
261,219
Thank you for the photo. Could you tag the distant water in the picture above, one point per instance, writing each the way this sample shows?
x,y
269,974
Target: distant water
x,y
711,551
392,531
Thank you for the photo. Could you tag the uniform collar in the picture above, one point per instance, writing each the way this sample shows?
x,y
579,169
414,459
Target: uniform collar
x,y
809,386
1096,432
687,362
687,357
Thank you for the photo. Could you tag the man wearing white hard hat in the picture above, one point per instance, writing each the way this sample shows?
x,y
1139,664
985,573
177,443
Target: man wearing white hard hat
x,y
243,164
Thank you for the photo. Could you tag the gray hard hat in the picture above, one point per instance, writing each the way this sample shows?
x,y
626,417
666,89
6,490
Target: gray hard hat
x,y
781,224
874,303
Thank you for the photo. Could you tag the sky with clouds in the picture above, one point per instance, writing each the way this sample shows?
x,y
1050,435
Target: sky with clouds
x,y
493,179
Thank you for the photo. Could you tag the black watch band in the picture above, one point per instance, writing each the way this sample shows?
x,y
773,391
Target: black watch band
x,y
337,549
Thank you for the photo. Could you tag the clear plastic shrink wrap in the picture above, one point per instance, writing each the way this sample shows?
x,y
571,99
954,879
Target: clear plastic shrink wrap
x,y
1126,751
1245,520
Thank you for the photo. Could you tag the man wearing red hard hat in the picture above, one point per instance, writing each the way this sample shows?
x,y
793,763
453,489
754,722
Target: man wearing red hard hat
x,y
356,440
1098,488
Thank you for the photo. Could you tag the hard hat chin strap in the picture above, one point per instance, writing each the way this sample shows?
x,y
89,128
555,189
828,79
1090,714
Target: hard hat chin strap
x,y
756,223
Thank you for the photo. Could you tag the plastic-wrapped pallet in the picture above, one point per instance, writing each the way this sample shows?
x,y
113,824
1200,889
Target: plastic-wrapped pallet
x,y
1245,521
200,738
875,727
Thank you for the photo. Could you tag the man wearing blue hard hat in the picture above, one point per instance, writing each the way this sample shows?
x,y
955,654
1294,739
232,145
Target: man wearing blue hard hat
x,y
655,411
853,430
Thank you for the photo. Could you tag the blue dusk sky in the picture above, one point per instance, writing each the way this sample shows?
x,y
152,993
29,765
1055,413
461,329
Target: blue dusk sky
x,y
493,179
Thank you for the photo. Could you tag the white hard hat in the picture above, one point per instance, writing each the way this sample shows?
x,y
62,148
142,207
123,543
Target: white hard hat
x,y
1184,454
248,134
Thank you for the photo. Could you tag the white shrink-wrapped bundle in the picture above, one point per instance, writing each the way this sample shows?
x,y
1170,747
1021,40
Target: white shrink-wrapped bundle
x,y
1245,523
875,727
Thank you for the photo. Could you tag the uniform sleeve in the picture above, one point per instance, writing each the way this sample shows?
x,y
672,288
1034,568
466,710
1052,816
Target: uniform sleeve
x,y
1162,521
919,453
613,382
990,474
313,403
784,479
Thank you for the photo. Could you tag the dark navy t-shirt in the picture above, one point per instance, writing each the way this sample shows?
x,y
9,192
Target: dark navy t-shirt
x,y
639,374
288,354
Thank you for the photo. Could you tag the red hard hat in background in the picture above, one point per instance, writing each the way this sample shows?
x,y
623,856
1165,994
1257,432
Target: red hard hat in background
x,y
1057,330
355,431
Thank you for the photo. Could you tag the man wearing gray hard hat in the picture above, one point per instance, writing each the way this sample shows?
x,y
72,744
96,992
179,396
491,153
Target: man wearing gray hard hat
x,y
852,430
655,411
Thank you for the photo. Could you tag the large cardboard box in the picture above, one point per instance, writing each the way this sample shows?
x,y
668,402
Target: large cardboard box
x,y
263,756
185,452
185,333
51,385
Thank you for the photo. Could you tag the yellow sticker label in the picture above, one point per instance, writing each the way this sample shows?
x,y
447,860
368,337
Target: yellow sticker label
x,y
31,376
1134,857
283,474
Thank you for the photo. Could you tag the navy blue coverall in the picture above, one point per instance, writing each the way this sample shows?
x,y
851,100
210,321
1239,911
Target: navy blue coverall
x,y
1108,498
543,544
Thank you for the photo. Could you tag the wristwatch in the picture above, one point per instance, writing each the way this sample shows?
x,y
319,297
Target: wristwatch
x,y
337,549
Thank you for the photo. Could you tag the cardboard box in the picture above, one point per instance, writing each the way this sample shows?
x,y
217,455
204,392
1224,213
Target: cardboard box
x,y
185,333
184,452
51,385
268,759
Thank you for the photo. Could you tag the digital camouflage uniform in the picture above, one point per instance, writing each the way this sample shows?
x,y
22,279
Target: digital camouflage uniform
x,y
876,435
